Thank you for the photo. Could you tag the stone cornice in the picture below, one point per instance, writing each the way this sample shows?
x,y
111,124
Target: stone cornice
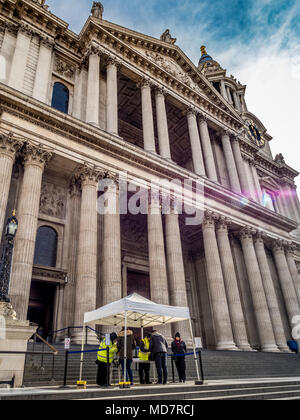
x,y
42,115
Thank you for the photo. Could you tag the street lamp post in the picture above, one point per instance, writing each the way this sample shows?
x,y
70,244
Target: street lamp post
x,y
5,262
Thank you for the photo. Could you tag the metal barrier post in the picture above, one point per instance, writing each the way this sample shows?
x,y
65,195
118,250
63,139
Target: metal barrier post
x,y
173,371
201,365
66,368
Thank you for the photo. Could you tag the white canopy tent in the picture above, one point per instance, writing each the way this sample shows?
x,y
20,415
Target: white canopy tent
x,y
138,312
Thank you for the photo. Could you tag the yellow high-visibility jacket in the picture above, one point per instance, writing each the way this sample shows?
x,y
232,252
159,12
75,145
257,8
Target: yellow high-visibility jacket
x,y
102,355
144,355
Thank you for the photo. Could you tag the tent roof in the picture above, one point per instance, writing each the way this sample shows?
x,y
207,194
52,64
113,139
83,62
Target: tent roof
x,y
141,313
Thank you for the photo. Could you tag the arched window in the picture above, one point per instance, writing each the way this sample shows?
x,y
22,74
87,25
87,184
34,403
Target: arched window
x,y
60,97
46,247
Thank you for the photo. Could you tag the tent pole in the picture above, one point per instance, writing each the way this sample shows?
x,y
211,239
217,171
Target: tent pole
x,y
142,333
81,356
125,348
194,349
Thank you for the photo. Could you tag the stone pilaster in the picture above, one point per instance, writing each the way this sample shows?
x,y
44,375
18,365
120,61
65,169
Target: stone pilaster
x,y
19,61
195,143
147,113
176,274
258,190
290,249
240,167
286,281
223,90
42,76
230,163
112,269
207,150
9,146
270,292
162,124
93,87
112,97
231,286
265,328
35,158
219,304
86,279
157,259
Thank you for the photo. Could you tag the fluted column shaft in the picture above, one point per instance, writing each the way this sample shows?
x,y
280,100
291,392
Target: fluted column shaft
x,y
231,286
19,61
240,167
223,90
207,151
230,164
8,148
28,211
219,304
270,292
293,268
41,82
195,144
265,328
177,284
162,125
112,98
157,259
93,89
286,281
87,245
147,113
258,190
112,270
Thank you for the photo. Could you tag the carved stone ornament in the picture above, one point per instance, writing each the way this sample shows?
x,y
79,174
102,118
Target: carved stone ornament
x,y
247,233
7,311
210,219
64,69
166,37
280,159
89,173
52,202
9,144
37,154
97,10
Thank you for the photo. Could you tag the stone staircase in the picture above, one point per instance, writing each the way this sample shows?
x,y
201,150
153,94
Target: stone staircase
x,y
216,365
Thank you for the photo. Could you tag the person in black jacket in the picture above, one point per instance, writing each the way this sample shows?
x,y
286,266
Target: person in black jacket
x,y
179,350
159,352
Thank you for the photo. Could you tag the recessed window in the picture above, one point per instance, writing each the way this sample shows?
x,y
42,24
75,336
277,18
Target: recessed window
x,y
46,247
60,97
268,200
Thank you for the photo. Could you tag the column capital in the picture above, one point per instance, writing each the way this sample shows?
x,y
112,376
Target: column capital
x,y
247,232
47,42
113,61
89,174
191,112
93,50
37,154
279,245
9,145
144,82
224,223
290,249
210,219
160,91
260,237
203,119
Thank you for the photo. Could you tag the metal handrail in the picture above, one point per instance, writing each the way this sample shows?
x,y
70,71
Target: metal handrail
x,y
54,350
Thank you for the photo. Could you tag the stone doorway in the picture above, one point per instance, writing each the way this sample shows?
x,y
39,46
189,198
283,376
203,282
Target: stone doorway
x,y
41,306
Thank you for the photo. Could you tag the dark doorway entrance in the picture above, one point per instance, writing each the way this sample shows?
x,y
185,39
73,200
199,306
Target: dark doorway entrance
x,y
138,282
41,306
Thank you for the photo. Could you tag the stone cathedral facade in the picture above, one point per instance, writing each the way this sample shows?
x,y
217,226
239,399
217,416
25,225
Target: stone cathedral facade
x,y
79,108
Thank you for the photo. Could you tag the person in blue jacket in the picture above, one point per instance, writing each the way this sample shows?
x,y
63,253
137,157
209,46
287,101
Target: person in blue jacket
x,y
179,350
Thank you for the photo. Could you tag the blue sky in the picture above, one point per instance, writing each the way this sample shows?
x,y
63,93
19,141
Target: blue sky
x,y
255,40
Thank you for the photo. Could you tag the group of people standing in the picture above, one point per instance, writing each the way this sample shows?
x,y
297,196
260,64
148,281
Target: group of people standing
x,y
153,347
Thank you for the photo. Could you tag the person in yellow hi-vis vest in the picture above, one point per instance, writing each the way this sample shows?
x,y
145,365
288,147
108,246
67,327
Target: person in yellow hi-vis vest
x,y
102,379
144,364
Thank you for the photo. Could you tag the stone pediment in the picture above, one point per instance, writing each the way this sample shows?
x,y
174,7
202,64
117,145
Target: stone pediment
x,y
270,183
168,57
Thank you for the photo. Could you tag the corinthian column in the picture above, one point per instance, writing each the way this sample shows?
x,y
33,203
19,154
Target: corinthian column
x,y
178,293
157,259
111,269
231,286
293,269
286,281
162,124
93,88
19,61
9,146
270,292
41,83
112,97
265,329
207,151
219,304
35,158
195,143
230,163
240,167
147,112
85,300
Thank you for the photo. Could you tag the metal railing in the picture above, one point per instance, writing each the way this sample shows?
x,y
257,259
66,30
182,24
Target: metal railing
x,y
53,335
